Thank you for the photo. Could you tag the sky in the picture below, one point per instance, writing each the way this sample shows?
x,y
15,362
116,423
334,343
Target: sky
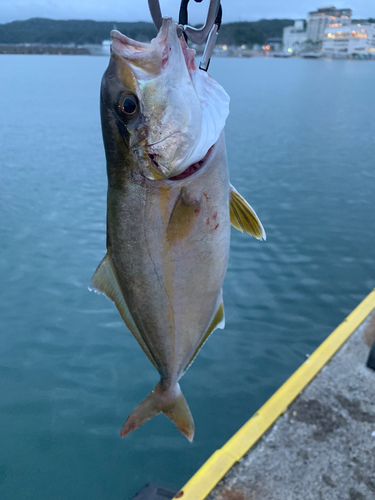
x,y
137,10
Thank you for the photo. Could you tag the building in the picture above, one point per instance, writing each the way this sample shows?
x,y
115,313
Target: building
x,y
294,37
273,44
348,40
323,18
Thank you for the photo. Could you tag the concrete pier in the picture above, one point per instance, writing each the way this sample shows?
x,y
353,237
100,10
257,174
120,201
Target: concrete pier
x,y
323,447
314,439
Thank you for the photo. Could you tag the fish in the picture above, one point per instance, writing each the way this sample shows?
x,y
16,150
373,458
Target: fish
x,y
170,206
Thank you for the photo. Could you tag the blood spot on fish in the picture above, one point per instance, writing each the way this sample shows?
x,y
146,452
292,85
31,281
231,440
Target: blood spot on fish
x,y
217,225
208,221
197,210
206,196
214,216
189,56
165,57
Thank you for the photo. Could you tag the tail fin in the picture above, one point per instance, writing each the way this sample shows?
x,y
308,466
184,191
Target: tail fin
x,y
169,401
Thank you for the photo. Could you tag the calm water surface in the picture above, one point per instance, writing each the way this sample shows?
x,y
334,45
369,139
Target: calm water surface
x,y
301,146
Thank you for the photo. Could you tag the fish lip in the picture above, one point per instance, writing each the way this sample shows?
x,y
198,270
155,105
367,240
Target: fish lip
x,y
190,172
129,48
125,46
192,169
155,163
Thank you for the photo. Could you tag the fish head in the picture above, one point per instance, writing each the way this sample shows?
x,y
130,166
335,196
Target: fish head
x,y
160,113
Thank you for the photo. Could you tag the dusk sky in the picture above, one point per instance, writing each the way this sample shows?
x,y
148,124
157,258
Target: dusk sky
x,y
137,10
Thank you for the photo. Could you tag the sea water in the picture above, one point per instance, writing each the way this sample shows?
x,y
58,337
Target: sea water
x,y
301,148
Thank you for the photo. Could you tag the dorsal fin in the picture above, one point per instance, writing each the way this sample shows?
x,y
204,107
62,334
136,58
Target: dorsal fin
x,y
105,281
243,216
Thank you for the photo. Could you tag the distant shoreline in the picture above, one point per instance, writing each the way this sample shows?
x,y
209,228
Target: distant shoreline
x,y
43,49
96,50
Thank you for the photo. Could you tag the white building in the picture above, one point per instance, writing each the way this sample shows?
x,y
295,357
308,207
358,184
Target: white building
x,y
349,40
318,21
294,37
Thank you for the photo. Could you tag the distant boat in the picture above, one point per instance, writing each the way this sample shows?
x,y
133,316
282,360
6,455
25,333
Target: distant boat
x,y
282,54
106,47
312,55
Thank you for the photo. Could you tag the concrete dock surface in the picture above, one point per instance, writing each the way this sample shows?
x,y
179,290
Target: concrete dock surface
x,y
323,446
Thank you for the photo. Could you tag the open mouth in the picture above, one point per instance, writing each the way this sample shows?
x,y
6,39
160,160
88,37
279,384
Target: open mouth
x,y
188,172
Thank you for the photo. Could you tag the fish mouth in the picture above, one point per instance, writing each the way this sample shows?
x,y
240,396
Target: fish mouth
x,y
127,47
149,59
188,172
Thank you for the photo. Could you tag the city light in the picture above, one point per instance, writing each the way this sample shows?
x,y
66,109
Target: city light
x,y
330,32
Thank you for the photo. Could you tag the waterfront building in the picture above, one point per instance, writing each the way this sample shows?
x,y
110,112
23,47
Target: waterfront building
x,y
352,39
273,44
294,37
319,20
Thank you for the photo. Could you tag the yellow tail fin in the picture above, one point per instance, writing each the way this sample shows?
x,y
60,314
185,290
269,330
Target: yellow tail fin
x,y
168,400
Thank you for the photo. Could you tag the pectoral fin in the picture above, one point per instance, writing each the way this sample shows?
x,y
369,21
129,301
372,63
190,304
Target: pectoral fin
x,y
182,218
104,281
243,217
218,321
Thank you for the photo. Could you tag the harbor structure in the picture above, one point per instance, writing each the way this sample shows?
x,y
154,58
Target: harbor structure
x,y
349,40
273,44
330,32
317,429
325,17
294,37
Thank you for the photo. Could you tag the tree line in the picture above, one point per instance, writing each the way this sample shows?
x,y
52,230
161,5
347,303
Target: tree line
x,y
49,31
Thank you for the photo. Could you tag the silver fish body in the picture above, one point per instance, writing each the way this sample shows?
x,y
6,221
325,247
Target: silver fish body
x,y
169,243
168,221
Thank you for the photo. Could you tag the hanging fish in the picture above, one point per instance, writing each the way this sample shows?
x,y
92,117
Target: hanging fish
x,y
170,207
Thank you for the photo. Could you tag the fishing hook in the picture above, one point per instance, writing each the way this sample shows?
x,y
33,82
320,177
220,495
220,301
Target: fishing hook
x,y
155,12
196,35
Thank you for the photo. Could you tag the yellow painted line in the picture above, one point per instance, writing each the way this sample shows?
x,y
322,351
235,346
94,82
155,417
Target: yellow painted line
x,y
211,472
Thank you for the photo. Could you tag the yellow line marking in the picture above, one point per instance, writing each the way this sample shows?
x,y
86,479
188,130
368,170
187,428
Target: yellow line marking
x,y
211,472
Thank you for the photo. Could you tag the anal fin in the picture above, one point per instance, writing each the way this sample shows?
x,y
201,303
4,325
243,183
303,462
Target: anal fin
x,y
218,321
105,281
243,216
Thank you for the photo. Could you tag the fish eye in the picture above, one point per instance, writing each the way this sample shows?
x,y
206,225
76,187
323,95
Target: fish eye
x,y
128,105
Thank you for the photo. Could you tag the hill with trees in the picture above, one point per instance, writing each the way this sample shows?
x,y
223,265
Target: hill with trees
x,y
249,33
49,31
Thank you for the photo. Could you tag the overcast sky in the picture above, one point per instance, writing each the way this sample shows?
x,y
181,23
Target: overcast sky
x,y
137,10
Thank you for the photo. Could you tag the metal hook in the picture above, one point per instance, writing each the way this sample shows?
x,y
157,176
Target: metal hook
x,y
210,29
211,41
198,36
155,12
